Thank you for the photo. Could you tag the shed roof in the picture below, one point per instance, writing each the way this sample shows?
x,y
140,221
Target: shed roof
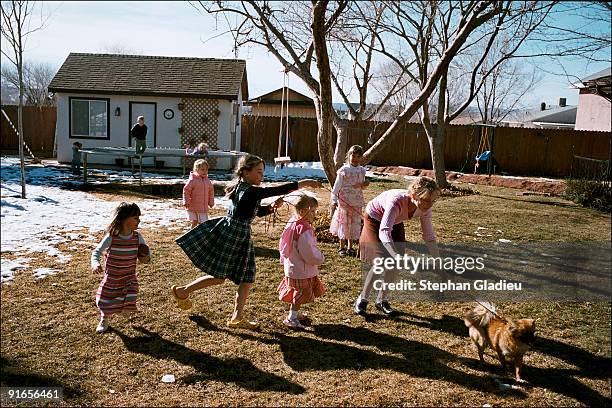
x,y
151,75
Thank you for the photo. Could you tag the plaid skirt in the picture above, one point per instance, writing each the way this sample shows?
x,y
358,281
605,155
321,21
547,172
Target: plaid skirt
x,y
300,291
222,247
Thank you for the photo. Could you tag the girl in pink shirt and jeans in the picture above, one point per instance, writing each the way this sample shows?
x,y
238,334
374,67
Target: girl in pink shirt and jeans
x,y
384,228
300,258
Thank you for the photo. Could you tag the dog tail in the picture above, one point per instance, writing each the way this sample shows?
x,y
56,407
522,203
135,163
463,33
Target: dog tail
x,y
481,315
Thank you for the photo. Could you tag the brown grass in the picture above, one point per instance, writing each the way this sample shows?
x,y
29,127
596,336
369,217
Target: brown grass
x,y
423,357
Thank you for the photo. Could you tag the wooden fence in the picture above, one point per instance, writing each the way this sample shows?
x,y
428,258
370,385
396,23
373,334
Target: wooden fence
x,y
521,151
38,128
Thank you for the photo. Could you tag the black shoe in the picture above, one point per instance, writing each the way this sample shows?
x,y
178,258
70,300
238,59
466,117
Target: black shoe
x,y
360,307
351,252
385,307
342,252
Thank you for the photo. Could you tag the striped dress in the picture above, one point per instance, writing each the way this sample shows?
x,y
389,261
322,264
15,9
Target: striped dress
x,y
119,287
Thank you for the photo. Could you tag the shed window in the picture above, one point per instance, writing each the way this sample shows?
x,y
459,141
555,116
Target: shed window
x,y
89,118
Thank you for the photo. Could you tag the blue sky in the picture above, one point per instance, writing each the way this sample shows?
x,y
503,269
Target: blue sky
x,y
178,29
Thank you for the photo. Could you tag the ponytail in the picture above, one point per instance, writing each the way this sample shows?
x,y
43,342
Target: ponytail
x,y
246,163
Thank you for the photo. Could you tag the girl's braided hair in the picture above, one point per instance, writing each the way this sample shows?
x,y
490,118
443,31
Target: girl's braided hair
x,y
246,163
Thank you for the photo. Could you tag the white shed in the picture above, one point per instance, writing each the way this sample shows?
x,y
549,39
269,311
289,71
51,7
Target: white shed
x,y
99,97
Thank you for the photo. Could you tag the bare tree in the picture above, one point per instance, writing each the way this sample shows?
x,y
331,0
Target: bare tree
x,y
119,48
503,90
296,34
16,26
574,34
356,69
578,29
274,25
427,28
10,94
36,78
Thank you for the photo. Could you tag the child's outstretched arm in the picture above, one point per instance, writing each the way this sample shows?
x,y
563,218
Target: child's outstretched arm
x,y
309,183
259,193
96,254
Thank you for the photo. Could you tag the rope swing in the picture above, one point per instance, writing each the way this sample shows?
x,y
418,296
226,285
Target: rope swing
x,y
280,161
484,148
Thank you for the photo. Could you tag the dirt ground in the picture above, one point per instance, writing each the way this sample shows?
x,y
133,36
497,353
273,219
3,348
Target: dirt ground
x,y
539,185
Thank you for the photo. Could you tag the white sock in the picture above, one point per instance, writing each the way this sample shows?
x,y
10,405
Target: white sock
x,y
292,315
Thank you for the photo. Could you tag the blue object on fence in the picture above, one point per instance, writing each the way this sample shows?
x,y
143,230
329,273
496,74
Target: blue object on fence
x,y
484,156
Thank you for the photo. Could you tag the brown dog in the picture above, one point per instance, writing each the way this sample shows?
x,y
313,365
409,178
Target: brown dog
x,y
510,339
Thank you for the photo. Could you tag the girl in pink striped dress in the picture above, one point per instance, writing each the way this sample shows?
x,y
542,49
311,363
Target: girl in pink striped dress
x,y
300,258
122,246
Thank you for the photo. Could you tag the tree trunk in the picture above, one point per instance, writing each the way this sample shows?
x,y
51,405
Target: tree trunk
x,y
341,142
323,102
324,142
436,145
20,121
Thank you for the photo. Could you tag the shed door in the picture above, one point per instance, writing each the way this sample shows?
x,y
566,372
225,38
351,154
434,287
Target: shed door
x,y
148,110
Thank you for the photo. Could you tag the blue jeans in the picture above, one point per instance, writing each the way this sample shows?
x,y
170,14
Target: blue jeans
x,y
141,146
76,166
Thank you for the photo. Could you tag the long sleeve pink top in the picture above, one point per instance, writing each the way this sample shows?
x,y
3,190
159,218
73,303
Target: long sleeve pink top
x,y
299,253
198,193
392,207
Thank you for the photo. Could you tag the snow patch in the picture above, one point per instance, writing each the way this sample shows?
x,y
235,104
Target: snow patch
x,y
9,266
41,273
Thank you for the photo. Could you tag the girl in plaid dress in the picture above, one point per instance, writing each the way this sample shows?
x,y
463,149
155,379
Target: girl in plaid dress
x,y
122,246
300,258
222,247
347,201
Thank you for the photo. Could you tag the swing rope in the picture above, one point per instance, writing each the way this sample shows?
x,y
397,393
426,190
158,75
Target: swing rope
x,y
284,115
484,148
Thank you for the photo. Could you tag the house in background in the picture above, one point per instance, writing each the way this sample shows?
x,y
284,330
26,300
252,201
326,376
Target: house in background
x,y
561,116
594,102
99,97
269,104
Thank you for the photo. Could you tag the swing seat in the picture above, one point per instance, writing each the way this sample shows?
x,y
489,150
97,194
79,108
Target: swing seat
x,y
484,156
282,160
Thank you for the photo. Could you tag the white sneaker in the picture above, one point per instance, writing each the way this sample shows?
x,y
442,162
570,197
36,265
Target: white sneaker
x,y
102,326
293,324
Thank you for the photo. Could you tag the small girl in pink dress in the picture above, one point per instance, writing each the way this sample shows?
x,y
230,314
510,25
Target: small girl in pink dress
x,y
300,258
347,201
